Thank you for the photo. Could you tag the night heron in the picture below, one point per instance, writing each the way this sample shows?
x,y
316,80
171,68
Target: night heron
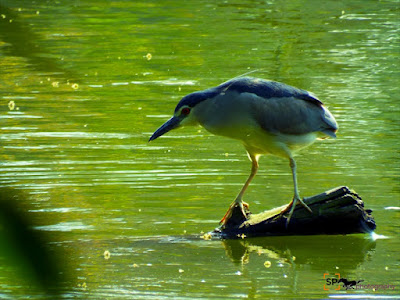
x,y
268,117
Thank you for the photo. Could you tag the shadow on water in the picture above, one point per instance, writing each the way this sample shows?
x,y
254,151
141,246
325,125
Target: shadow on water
x,y
21,41
349,251
321,251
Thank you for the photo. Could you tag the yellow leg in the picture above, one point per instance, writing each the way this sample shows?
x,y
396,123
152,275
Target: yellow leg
x,y
238,201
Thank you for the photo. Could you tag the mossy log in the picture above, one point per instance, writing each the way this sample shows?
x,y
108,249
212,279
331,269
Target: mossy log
x,y
337,211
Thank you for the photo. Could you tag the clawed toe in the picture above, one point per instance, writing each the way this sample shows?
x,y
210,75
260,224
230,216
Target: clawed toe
x,y
245,205
291,207
305,205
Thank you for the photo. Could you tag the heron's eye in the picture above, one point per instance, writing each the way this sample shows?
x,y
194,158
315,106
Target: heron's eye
x,y
185,111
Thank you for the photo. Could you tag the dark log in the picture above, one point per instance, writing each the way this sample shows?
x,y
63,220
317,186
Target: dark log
x,y
337,211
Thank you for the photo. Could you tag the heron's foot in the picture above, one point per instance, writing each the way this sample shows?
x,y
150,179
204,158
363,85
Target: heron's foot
x,y
292,206
242,205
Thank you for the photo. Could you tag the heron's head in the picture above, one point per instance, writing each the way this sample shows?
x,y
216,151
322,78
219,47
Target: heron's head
x,y
185,112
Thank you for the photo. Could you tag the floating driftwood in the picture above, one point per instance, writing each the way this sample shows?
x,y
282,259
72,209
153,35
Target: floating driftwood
x,y
338,211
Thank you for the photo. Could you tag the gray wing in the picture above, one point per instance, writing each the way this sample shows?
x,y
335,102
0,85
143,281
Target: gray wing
x,y
290,115
281,108
277,107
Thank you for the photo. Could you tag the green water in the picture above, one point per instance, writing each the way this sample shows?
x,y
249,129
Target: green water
x,y
83,84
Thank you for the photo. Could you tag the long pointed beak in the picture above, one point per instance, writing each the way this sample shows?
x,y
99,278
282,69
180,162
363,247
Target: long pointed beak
x,y
167,126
